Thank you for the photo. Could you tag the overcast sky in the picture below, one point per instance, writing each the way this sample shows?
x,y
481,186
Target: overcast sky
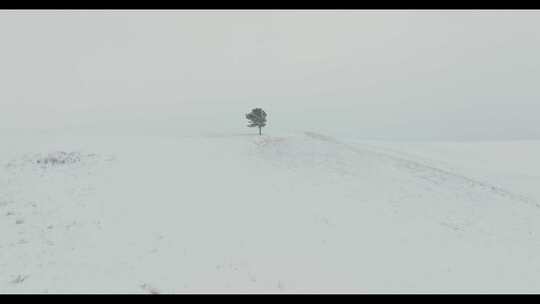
x,y
444,75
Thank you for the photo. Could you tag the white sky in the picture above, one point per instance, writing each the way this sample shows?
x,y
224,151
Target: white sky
x,y
444,75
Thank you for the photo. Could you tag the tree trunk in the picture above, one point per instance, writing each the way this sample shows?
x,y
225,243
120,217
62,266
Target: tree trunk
x,y
259,130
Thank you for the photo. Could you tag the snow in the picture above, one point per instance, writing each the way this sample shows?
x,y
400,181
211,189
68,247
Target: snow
x,y
290,213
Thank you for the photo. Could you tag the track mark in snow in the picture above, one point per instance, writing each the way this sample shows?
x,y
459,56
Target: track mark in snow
x,y
150,289
19,279
252,277
452,226
435,175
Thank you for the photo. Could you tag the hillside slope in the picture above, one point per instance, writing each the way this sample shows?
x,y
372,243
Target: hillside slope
x,y
241,213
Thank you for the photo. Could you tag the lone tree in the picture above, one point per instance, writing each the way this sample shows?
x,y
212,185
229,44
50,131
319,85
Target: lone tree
x,y
257,118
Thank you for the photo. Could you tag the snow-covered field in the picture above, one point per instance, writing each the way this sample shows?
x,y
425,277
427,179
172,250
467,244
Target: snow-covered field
x,y
290,213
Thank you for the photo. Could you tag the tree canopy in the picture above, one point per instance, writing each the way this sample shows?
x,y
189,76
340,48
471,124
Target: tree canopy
x,y
257,118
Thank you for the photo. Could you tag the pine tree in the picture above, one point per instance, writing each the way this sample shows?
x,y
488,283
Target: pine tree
x,y
257,118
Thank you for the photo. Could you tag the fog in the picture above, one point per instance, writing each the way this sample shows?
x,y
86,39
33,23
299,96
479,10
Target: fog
x,y
392,75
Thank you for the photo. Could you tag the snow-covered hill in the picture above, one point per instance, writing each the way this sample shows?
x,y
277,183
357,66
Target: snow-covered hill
x,y
247,213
